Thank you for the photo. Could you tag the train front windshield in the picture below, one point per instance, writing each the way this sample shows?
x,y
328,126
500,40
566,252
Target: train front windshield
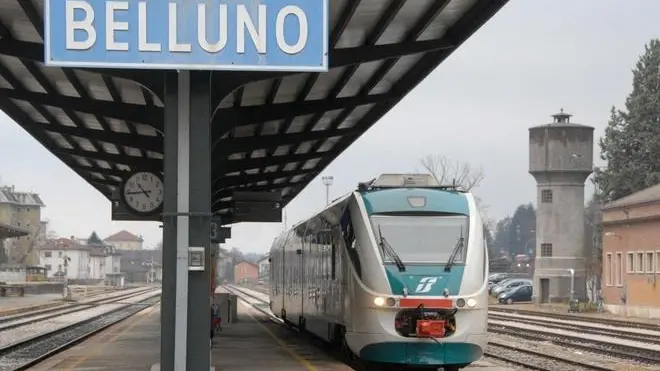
x,y
422,239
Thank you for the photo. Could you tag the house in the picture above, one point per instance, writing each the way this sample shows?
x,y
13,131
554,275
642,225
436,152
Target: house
x,y
124,240
264,268
246,272
142,266
85,264
631,254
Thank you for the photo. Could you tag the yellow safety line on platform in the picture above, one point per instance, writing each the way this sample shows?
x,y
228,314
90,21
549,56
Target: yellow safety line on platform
x,y
96,350
307,364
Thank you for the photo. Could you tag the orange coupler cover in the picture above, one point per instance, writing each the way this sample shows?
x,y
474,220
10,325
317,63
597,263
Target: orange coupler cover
x,y
430,328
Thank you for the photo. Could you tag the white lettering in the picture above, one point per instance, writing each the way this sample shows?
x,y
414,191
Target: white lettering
x,y
174,44
222,29
243,22
111,25
303,27
143,44
86,25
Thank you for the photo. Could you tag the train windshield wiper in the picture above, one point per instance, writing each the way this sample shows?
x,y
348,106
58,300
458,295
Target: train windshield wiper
x,y
389,251
454,253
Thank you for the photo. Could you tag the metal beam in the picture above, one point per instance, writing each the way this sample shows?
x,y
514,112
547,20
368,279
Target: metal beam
x,y
103,171
238,180
344,57
117,110
221,168
248,144
371,53
227,192
247,115
35,52
132,161
149,143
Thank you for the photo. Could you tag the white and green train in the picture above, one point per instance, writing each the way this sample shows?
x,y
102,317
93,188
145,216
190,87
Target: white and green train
x,y
376,266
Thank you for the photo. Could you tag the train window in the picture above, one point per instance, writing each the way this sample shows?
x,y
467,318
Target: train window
x,y
333,260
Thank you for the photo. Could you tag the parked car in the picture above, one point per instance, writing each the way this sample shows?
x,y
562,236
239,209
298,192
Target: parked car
x,y
509,284
516,294
495,278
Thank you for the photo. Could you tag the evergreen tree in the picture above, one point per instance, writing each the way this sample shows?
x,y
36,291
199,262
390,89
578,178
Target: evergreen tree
x,y
94,239
631,145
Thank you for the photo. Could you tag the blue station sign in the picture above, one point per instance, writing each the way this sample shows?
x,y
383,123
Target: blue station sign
x,y
257,35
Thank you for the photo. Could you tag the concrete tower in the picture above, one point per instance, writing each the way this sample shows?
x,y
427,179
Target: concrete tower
x,y
560,159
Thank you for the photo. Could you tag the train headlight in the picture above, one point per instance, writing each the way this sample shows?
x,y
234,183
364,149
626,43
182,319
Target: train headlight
x,y
460,303
379,302
471,303
391,302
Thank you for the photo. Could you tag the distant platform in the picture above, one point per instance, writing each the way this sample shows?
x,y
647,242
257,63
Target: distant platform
x,y
11,304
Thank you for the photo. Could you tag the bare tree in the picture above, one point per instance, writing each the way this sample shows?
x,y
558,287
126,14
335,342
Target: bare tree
x,y
447,171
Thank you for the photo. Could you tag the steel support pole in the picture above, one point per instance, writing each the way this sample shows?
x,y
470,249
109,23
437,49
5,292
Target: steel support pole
x,y
199,309
168,301
185,306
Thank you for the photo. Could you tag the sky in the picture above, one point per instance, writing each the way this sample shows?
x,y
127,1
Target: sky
x,y
533,58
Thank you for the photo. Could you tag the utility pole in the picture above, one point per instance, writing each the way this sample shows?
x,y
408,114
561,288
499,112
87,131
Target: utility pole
x,y
327,182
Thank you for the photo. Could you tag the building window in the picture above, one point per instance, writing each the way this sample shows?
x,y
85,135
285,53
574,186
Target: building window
x,y
608,269
48,267
546,196
630,268
59,254
618,273
650,262
546,249
657,262
48,254
639,262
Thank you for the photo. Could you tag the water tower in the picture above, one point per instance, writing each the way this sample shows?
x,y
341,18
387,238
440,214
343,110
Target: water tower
x,y
560,159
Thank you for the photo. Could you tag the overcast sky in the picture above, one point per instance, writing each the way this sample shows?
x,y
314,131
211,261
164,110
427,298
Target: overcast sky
x,y
533,58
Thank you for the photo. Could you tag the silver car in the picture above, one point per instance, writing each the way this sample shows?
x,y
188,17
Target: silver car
x,y
509,284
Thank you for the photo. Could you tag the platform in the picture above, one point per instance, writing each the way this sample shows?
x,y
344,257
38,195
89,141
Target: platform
x,y
11,304
255,343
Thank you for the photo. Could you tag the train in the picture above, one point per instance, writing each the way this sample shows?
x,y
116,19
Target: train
x,y
395,273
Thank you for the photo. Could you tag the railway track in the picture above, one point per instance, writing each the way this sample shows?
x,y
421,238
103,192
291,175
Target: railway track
x,y
573,325
609,348
527,358
23,319
25,353
571,317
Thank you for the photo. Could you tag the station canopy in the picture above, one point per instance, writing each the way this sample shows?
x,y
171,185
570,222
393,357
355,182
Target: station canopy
x,y
286,127
9,231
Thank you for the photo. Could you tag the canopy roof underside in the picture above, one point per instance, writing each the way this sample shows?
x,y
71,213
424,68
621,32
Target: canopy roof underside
x,y
285,127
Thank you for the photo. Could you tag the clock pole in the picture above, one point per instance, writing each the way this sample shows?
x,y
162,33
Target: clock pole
x,y
186,220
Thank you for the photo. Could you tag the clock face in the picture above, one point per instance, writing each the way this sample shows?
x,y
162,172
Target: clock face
x,y
143,192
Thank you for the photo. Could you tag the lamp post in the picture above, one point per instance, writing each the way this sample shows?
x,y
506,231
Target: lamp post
x,y
327,182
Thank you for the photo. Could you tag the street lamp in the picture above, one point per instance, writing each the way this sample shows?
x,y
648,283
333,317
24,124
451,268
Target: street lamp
x,y
327,182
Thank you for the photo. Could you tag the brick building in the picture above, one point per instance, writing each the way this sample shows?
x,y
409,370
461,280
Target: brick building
x,y
245,272
631,254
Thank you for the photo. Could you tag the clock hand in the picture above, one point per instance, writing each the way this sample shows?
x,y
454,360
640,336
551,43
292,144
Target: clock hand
x,y
136,192
143,191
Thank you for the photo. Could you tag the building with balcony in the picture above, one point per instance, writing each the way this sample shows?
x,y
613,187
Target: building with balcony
x,y
67,258
21,211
